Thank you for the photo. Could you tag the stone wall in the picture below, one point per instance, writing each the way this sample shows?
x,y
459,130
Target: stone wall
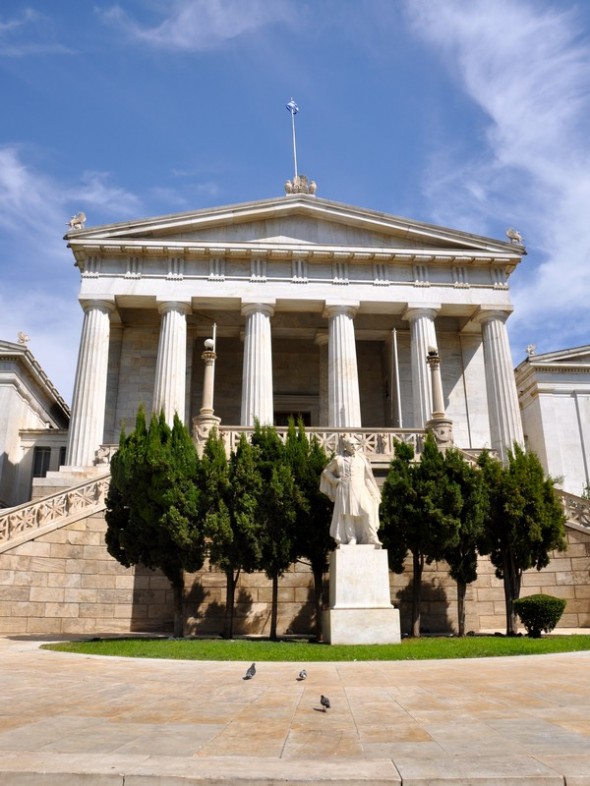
x,y
65,583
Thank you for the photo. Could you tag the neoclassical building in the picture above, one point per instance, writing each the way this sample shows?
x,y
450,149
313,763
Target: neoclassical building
x,y
359,322
319,309
554,393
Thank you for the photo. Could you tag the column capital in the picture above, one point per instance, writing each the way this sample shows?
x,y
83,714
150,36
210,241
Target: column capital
x,y
417,310
181,306
266,307
106,305
347,307
322,338
486,313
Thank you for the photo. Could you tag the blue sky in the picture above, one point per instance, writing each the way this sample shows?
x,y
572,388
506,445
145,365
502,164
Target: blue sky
x,y
472,115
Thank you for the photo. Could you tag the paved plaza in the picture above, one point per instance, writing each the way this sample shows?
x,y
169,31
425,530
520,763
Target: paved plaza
x,y
84,720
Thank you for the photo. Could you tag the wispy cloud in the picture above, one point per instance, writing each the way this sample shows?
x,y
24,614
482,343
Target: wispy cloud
x,y
200,25
524,65
97,191
34,210
30,33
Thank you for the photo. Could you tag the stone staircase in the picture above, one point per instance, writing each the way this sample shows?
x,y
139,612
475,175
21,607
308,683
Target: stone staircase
x,y
32,519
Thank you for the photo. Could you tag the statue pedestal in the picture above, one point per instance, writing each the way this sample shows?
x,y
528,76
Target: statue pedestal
x,y
360,600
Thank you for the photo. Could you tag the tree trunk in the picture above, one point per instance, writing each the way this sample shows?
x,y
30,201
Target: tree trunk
x,y
178,594
512,578
461,590
274,608
231,580
418,565
318,593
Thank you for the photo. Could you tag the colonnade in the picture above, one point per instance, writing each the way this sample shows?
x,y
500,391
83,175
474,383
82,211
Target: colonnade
x,y
343,397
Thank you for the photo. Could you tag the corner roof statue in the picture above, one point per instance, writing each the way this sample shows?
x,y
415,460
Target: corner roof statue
x,y
78,221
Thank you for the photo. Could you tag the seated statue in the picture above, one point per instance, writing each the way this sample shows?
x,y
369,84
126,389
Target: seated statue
x,y
349,482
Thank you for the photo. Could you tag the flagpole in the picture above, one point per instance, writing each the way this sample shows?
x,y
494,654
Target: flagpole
x,y
293,109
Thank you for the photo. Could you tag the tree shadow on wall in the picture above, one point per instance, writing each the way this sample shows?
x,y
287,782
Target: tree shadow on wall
x,y
304,622
434,604
211,619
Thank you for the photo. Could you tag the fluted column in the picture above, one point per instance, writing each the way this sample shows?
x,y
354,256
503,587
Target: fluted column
x,y
505,422
321,340
344,406
257,392
170,382
88,402
422,341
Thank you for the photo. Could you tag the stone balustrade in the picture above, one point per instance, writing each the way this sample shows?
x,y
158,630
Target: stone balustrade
x,y
376,445
25,521
576,509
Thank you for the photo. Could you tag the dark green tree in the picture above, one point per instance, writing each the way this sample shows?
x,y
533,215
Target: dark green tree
x,y
462,555
313,543
524,522
277,510
419,514
153,504
230,491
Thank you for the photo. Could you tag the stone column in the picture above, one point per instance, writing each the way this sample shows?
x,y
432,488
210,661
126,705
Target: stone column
x,y
170,382
88,402
344,407
257,391
423,340
321,340
505,421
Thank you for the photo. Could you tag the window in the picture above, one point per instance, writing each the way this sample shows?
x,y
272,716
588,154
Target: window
x,y
62,455
41,459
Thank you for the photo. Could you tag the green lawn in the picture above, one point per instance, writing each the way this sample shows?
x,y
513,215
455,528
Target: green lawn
x,y
302,651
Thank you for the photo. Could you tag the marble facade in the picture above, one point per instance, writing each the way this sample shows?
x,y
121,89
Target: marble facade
x,y
554,393
320,308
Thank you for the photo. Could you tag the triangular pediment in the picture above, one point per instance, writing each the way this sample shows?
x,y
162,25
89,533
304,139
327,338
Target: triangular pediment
x,y
294,220
579,356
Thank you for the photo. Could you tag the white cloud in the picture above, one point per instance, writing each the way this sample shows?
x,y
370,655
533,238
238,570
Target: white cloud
x,y
526,67
96,190
200,25
31,33
39,284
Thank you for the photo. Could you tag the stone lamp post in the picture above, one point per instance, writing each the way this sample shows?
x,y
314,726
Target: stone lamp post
x,y
439,425
206,420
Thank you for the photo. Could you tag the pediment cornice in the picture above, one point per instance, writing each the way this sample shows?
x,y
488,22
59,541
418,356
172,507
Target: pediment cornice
x,y
397,236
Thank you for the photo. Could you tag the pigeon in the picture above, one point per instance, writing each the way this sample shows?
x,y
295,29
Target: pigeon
x,y
302,675
325,702
250,673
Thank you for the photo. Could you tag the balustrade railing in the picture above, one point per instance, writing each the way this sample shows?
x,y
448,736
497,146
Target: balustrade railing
x,y
376,445
25,520
576,509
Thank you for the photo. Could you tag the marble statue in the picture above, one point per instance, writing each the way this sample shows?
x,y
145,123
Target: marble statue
x,y
349,482
78,221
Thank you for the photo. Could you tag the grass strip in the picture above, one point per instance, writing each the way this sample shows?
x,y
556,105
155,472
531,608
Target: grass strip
x,y
425,648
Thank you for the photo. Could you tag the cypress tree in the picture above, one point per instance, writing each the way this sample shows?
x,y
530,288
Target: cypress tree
x,y
153,504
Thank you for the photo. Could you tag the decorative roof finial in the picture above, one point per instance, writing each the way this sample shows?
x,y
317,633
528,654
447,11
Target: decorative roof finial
x,y
77,221
23,338
514,236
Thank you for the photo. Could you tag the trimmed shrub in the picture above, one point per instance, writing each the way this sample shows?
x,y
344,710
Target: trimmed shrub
x,y
539,613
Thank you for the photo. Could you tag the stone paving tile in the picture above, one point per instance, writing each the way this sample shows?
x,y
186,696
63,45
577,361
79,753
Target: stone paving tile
x,y
494,721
